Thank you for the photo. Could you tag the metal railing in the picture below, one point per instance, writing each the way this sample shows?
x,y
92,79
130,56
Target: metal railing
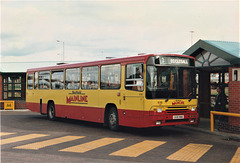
x,y
212,113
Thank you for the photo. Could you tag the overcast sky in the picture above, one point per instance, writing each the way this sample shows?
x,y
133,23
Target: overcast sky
x,y
93,30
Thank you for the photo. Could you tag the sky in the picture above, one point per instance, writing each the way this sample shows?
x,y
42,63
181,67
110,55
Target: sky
x,y
93,30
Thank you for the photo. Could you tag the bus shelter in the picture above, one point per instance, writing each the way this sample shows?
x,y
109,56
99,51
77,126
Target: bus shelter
x,y
217,64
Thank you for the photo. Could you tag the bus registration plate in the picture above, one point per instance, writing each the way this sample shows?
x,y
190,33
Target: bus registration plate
x,y
178,117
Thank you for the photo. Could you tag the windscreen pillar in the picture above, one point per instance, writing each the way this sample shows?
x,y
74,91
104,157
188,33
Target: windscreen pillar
x,y
204,94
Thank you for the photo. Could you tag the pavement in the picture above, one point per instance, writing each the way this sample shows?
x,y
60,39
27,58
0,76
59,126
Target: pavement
x,y
204,126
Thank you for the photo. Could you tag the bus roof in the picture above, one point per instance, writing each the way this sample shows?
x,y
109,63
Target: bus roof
x,y
123,61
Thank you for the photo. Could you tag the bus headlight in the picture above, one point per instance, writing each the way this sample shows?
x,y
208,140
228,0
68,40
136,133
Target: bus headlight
x,y
193,109
159,110
158,122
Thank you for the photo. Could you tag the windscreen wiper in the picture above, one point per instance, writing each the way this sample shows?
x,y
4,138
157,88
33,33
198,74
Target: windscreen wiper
x,y
169,96
190,96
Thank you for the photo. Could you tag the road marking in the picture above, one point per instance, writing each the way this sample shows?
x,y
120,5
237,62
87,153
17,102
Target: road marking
x,y
21,138
50,142
6,133
236,157
191,152
91,145
138,149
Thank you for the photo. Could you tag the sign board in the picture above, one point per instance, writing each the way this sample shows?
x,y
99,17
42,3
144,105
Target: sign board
x,y
178,61
8,105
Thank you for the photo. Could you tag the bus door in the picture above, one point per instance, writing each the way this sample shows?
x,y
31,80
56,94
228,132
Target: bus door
x,y
133,96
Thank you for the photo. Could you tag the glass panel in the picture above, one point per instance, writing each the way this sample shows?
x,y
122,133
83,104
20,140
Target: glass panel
x,y
226,91
200,58
212,57
17,80
90,77
4,80
72,78
35,80
9,86
5,87
198,64
226,77
134,77
9,94
111,76
17,86
9,80
29,82
44,79
57,79
170,82
214,78
17,94
206,64
219,62
206,55
197,78
5,95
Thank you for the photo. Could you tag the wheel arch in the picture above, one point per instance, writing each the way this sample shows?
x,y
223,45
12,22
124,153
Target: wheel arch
x,y
49,102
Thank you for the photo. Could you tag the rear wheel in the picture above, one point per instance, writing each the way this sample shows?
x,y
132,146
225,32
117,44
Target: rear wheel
x,y
51,112
113,119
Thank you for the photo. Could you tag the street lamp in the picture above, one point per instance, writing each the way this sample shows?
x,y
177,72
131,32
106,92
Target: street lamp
x,y
191,37
63,50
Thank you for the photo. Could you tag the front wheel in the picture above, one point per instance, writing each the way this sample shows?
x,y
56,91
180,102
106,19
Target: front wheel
x,y
113,119
51,112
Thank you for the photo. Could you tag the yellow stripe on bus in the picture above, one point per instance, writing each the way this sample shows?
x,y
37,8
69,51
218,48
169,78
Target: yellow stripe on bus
x,y
6,133
236,157
138,149
190,153
50,142
21,138
91,145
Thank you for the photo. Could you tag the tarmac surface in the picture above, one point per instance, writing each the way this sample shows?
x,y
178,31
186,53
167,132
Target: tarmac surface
x,y
204,126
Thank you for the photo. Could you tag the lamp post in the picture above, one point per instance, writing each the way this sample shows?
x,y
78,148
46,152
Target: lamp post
x,y
191,37
63,49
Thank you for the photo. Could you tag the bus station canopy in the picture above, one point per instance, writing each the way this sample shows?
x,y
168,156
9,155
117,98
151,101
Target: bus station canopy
x,y
215,53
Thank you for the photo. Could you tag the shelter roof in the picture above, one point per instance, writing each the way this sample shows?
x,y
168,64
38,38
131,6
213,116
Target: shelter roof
x,y
229,51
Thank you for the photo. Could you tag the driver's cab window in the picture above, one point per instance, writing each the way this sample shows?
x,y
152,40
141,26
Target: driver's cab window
x,y
134,77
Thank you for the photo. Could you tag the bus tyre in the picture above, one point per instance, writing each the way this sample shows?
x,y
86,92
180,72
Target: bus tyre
x,y
51,112
113,119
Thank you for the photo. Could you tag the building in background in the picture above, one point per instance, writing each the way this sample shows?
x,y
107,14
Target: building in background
x,y
218,64
13,87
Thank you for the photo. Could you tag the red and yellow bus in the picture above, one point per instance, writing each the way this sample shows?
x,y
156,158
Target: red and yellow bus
x,y
140,91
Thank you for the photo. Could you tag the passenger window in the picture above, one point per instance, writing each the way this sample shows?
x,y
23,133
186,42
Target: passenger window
x,y
44,80
30,81
35,80
57,79
72,78
90,77
111,76
134,77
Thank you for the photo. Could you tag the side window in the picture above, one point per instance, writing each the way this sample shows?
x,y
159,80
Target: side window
x,y
44,80
72,80
35,80
30,81
57,79
134,77
111,76
90,77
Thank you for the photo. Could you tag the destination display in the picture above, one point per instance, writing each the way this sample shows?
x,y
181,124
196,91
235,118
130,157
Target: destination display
x,y
167,60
